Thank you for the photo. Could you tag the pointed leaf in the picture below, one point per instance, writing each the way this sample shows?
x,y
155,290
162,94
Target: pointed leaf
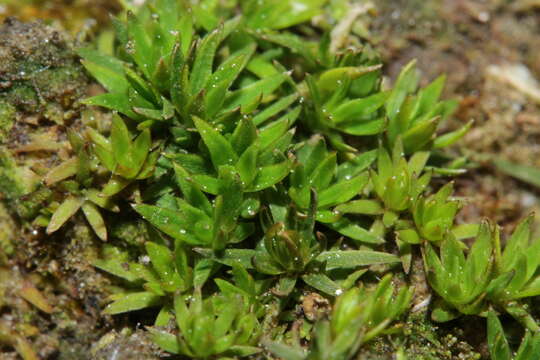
x,y
132,302
95,219
220,149
354,258
62,214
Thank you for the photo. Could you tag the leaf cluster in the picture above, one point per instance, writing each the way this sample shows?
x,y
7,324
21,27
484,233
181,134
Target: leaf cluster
x,y
358,316
488,275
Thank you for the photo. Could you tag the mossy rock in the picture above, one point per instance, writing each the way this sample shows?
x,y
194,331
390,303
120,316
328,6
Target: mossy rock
x,y
41,83
40,74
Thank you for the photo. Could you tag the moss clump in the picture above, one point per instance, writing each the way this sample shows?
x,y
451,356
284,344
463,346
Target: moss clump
x,y
8,233
7,118
41,82
39,73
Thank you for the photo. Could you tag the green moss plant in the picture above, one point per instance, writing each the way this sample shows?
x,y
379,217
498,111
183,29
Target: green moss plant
x,y
270,168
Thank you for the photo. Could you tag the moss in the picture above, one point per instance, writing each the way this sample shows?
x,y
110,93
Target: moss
x,y
8,233
19,186
7,118
14,179
39,72
132,233
41,82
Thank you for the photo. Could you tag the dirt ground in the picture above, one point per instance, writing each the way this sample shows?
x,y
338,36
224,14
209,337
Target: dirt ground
x,y
490,52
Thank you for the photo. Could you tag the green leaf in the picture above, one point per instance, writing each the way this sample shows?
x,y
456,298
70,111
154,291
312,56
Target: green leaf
x,y
229,257
143,53
322,283
285,285
229,70
247,165
298,11
357,108
244,135
207,183
366,207
418,161
496,286
202,271
480,256
280,105
353,258
530,346
443,313
181,262
194,164
332,79
66,210
451,137
191,193
418,136
352,278
268,176
497,343
162,260
528,174
63,171
113,101
104,202
204,59
214,99
171,222
121,141
179,78
410,236
95,219
102,148
357,164
264,264
405,84
343,191
428,96
132,302
141,86
221,151
243,279
312,153
270,135
517,245
114,262
107,70
355,232
324,173
115,185
290,41
153,114
227,206
371,127
251,92
139,152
